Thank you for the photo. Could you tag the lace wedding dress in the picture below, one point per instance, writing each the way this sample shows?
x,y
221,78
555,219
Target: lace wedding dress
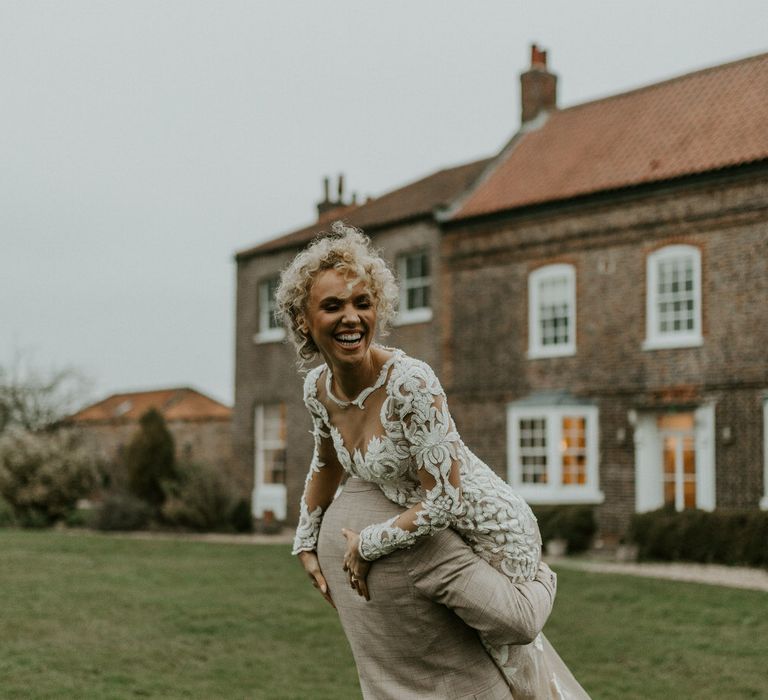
x,y
417,443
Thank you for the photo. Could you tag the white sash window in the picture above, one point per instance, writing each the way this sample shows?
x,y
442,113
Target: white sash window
x,y
673,298
269,493
552,311
553,453
270,327
415,287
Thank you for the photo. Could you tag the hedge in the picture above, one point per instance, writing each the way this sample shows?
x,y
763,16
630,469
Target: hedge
x,y
721,537
575,524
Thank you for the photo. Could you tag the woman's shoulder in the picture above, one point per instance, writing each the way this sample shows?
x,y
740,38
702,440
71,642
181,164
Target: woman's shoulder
x,y
310,381
410,373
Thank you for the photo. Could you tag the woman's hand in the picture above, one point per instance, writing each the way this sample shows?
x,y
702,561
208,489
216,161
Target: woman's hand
x,y
356,567
312,567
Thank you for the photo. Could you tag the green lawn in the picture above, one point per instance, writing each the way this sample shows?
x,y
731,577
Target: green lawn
x,y
90,616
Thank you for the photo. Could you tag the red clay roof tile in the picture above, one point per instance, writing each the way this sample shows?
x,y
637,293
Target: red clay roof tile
x,y
707,120
416,199
174,404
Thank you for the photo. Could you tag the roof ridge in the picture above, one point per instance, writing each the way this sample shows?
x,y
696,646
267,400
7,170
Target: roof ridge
x,y
148,391
490,167
673,79
435,173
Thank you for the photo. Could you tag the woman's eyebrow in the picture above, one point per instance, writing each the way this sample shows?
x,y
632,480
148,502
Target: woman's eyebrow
x,y
336,300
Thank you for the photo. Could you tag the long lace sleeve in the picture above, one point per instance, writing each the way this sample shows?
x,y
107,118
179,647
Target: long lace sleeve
x,y
323,476
437,451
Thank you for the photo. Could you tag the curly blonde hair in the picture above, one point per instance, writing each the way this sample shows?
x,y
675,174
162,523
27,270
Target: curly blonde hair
x,y
348,250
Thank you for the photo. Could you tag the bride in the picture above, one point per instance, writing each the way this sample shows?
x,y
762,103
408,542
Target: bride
x,y
382,416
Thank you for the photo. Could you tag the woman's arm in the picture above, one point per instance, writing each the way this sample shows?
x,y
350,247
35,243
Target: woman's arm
x,y
438,452
322,480
319,488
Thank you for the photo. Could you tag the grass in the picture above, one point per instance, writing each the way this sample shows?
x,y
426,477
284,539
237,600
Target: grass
x,y
87,616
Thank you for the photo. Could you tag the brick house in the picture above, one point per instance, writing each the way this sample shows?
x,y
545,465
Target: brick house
x,y
201,428
599,299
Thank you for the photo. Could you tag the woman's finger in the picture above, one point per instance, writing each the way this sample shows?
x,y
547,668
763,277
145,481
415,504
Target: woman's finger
x,y
319,582
362,588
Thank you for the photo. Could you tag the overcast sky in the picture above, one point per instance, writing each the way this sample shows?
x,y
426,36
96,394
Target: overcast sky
x,y
142,143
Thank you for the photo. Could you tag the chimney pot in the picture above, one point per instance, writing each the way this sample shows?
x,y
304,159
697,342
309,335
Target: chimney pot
x,y
538,87
327,204
538,57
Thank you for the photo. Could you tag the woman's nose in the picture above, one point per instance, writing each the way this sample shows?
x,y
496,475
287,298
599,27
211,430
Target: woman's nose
x,y
350,315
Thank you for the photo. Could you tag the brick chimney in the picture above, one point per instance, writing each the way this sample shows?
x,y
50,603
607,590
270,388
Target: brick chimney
x,y
327,204
538,87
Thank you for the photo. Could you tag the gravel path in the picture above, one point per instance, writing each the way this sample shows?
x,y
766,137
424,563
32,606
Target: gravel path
x,y
712,574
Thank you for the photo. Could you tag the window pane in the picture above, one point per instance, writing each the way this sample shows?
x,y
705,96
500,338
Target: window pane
x,y
274,423
675,421
675,295
418,297
274,466
533,450
417,265
670,447
689,472
269,317
415,282
271,443
554,310
573,449
274,319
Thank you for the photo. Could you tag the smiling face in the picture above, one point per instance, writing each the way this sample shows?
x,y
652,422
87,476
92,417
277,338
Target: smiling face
x,y
341,321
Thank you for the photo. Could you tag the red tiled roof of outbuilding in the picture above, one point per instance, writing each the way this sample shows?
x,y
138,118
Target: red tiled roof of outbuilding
x,y
708,120
415,199
174,404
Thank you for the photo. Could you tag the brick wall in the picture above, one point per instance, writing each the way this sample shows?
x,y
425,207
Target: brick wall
x,y
477,340
608,242
208,441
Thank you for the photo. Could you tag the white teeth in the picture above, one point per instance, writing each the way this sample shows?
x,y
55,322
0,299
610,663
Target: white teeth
x,y
349,337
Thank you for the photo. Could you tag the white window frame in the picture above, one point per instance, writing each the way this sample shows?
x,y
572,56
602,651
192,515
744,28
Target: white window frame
x,y
421,314
554,491
266,496
266,309
654,339
536,348
764,499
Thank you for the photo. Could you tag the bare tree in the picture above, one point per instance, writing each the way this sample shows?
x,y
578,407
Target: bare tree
x,y
36,400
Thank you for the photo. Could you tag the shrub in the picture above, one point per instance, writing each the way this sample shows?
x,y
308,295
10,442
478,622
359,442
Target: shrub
x,y
150,459
242,517
201,499
122,511
575,524
80,517
7,516
42,475
723,537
